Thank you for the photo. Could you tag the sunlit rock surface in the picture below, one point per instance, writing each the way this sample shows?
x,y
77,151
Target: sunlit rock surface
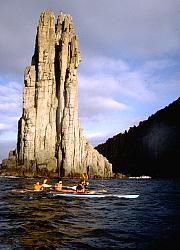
x,y
50,138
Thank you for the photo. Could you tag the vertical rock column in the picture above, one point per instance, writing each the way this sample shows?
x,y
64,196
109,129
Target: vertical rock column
x,y
67,61
50,136
45,95
37,127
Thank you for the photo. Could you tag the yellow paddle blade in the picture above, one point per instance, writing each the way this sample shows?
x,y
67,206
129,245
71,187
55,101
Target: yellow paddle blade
x,y
44,181
85,176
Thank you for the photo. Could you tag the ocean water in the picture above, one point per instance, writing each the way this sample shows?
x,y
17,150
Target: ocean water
x,y
41,221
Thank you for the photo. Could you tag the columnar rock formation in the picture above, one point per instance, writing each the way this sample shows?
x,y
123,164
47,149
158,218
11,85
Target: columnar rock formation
x,y
50,138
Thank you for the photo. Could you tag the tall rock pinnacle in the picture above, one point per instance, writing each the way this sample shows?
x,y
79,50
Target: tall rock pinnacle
x,y
50,139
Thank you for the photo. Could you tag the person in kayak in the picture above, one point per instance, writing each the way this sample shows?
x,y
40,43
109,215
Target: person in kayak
x,y
81,187
38,186
58,186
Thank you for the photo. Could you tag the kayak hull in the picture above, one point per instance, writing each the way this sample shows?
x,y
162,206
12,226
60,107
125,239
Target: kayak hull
x,y
75,195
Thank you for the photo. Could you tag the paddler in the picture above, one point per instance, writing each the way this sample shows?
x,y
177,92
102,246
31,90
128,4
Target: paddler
x,y
81,187
58,186
38,186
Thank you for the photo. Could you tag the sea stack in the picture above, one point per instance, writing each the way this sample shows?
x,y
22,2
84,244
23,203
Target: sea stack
x,y
50,138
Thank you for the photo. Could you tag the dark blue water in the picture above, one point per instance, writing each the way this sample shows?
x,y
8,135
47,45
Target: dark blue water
x,y
41,221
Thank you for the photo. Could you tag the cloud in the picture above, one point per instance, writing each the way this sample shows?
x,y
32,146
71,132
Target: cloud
x,y
109,103
10,107
99,104
169,89
133,29
96,138
4,126
107,85
134,85
9,91
103,65
7,107
8,130
159,64
8,123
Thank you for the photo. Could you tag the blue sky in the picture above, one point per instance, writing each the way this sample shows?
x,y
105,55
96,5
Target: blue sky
x,y
130,64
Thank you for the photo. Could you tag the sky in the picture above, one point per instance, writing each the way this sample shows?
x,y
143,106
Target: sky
x,y
130,66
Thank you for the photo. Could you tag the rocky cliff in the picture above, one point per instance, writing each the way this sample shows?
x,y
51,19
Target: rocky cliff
x,y
152,148
50,139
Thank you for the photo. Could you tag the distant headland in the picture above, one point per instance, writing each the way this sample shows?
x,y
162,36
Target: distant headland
x,y
151,149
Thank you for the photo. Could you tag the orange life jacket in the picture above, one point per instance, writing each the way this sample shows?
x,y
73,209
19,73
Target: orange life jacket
x,y
37,186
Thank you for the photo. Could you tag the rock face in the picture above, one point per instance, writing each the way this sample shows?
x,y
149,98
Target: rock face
x,y
50,139
152,148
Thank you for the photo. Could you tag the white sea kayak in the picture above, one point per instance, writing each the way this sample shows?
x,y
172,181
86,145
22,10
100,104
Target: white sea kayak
x,y
75,195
